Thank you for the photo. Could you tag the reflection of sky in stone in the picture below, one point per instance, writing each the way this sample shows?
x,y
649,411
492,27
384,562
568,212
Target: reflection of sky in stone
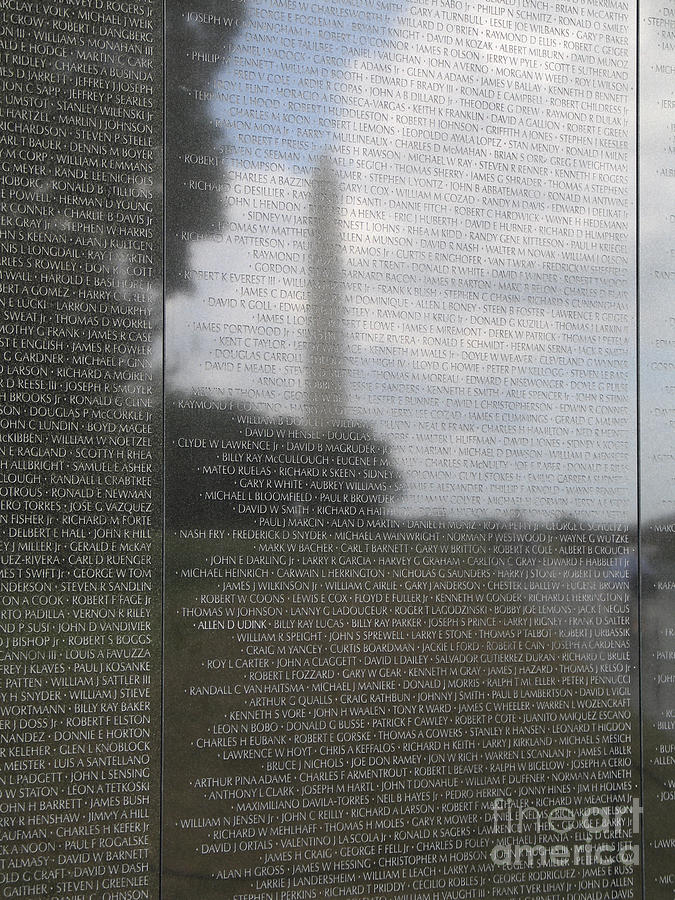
x,y
292,73
657,277
444,286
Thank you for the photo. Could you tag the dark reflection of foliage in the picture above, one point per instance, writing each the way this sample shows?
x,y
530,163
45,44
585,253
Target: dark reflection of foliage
x,y
307,473
657,560
200,38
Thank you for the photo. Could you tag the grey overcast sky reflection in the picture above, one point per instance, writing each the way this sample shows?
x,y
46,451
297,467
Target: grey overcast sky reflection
x,y
485,251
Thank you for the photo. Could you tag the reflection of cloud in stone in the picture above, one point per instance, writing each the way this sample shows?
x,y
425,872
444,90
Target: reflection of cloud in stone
x,y
471,344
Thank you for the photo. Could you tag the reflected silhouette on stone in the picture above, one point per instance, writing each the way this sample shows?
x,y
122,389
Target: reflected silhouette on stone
x,y
348,690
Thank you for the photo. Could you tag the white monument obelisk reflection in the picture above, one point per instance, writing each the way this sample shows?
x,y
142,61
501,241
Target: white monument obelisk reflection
x,y
325,377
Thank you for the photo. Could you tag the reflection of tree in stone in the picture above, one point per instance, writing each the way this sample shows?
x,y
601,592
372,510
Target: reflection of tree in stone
x,y
204,38
327,469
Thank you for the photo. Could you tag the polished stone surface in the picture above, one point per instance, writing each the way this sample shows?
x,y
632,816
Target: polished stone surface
x,y
401,514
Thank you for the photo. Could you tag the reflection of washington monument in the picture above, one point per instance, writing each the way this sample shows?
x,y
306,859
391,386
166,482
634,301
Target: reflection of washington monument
x,y
368,479
325,389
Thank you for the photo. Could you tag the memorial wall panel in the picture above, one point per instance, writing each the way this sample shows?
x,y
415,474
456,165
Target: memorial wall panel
x,y
335,543
657,364
401,510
